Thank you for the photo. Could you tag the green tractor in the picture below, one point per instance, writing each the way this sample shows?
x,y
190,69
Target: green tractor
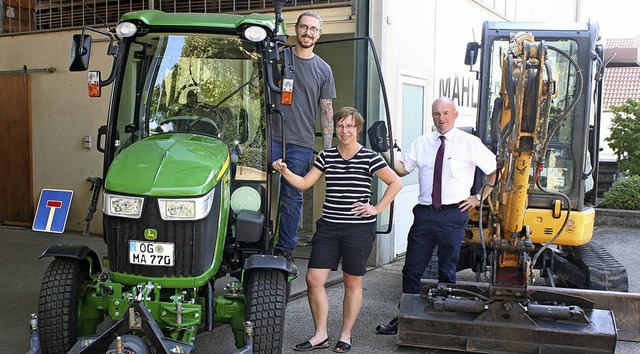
x,y
188,194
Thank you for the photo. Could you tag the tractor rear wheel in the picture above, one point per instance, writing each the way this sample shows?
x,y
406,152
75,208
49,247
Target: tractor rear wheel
x,y
266,292
59,304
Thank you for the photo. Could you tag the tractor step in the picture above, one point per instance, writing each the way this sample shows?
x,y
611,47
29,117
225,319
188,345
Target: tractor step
x,y
502,326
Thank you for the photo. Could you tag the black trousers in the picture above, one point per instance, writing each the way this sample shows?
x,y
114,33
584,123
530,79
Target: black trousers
x,y
443,227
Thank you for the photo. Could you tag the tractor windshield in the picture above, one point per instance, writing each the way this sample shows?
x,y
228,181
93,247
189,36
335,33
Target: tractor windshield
x,y
200,84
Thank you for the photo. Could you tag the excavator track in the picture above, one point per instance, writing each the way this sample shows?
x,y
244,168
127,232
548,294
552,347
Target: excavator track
x,y
603,270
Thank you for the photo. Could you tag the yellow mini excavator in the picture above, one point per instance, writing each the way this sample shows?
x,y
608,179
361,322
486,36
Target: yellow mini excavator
x,y
539,111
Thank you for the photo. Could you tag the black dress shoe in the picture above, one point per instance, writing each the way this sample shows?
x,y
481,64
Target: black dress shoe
x,y
307,346
390,328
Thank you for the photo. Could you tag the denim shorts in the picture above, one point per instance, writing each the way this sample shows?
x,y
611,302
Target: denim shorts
x,y
335,241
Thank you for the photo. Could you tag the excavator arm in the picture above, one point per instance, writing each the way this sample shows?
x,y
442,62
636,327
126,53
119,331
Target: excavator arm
x,y
520,127
525,86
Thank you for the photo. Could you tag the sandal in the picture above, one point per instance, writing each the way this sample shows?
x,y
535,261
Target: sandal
x,y
307,346
342,347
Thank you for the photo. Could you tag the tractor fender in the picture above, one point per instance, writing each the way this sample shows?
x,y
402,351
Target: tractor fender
x,y
76,252
267,261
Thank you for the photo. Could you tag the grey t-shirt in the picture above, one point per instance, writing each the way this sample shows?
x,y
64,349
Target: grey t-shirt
x,y
312,81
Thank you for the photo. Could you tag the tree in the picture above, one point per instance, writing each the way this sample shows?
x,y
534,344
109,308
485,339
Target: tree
x,y
625,136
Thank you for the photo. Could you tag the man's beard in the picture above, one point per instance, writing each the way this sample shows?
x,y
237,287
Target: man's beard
x,y
303,45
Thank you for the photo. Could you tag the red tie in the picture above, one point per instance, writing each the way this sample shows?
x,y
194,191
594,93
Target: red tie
x,y
436,195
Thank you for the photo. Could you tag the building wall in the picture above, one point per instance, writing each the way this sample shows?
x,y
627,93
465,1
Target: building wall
x,y
62,114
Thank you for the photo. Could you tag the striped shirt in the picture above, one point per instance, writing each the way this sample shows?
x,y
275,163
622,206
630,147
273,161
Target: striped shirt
x,y
348,181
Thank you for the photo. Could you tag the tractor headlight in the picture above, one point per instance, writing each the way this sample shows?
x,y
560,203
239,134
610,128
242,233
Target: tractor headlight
x,y
123,206
180,209
255,34
126,29
186,209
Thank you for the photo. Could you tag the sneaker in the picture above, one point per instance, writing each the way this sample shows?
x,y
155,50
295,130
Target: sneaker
x,y
289,257
389,328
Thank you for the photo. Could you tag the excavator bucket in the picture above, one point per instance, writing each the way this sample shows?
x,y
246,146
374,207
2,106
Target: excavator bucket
x,y
592,324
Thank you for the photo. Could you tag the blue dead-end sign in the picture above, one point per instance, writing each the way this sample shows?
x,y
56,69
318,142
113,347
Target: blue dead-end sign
x,y
53,209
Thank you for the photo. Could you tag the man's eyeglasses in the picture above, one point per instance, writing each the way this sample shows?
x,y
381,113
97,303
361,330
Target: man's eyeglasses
x,y
304,28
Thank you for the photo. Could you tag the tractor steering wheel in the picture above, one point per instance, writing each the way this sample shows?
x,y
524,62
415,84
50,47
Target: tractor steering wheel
x,y
187,123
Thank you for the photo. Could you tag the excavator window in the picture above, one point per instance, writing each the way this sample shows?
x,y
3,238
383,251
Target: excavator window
x,y
558,172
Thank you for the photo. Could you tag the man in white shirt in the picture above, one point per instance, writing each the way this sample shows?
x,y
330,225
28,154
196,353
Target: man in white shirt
x,y
441,222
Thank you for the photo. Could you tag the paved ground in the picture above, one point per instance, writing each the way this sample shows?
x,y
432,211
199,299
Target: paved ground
x,y
21,273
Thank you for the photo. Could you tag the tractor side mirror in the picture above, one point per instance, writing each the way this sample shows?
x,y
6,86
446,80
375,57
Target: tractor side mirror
x,y
80,52
379,136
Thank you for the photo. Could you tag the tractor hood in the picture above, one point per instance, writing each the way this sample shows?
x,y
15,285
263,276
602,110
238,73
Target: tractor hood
x,y
169,165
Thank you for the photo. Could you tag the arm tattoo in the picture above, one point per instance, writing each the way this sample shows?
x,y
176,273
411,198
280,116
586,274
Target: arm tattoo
x,y
326,115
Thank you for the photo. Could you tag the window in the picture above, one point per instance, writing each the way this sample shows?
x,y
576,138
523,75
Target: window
x,y
558,172
413,117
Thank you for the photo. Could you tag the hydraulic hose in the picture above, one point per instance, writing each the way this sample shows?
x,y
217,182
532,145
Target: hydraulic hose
x,y
554,128
579,87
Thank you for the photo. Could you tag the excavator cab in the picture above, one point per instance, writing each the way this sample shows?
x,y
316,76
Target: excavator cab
x,y
575,64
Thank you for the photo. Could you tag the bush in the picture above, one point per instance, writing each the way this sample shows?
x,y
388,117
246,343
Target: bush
x,y
624,194
624,138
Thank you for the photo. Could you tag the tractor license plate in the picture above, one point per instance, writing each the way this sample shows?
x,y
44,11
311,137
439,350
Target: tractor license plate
x,y
151,253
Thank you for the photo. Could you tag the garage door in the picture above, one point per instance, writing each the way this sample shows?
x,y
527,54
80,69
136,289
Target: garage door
x,y
16,180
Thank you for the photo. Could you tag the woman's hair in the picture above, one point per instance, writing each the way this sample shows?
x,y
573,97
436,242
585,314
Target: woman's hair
x,y
344,112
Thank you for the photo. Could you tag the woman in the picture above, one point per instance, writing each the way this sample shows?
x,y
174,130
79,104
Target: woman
x,y
347,227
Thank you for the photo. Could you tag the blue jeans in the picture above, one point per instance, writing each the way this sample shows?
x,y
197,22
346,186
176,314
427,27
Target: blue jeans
x,y
444,228
298,159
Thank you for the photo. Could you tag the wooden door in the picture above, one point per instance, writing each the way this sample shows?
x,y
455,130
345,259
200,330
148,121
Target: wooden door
x,y
16,176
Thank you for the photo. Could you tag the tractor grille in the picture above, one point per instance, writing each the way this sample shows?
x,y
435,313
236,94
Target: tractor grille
x,y
194,241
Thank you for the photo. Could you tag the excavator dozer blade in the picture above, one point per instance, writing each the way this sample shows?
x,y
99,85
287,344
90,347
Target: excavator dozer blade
x,y
505,327
625,307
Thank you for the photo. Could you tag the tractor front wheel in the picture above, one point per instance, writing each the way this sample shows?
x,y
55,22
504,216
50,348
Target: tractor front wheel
x,y
266,291
59,304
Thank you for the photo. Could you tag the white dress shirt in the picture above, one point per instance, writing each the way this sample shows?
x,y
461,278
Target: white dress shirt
x,y
462,153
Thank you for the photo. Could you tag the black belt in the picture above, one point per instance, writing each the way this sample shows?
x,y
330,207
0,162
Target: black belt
x,y
443,207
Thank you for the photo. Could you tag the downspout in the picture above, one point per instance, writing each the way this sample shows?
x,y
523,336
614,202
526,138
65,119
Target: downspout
x,y
1,16
360,8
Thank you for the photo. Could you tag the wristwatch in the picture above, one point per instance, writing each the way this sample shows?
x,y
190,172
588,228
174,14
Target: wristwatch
x,y
479,197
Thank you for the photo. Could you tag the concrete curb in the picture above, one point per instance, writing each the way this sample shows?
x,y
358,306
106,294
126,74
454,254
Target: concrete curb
x,y
629,219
